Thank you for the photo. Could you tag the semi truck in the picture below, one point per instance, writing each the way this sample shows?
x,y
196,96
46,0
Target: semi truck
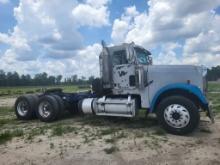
x,y
129,82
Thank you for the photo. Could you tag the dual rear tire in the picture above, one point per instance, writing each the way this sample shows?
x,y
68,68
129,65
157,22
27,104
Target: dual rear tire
x,y
25,107
47,108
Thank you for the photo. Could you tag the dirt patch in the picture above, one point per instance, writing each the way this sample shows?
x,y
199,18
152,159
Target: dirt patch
x,y
199,148
7,102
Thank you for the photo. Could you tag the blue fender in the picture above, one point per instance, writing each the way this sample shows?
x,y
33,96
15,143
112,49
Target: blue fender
x,y
183,86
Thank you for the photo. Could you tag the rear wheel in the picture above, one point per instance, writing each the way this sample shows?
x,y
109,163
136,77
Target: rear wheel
x,y
178,115
60,103
48,108
35,100
25,107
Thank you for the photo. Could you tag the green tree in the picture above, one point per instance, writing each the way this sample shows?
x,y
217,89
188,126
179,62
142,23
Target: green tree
x,y
2,78
58,79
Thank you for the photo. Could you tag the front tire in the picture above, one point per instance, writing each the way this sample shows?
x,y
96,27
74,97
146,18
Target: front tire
x,y
178,115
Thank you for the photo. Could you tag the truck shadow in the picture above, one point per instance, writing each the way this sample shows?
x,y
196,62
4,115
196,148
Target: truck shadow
x,y
137,122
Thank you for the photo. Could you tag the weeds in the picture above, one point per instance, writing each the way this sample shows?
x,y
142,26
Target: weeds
x,y
60,130
139,134
121,135
8,135
111,140
29,137
5,136
205,130
86,139
160,131
199,141
111,150
51,146
4,121
18,133
108,131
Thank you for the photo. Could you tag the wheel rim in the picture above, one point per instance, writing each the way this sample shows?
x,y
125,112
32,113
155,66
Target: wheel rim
x,y
44,109
22,108
176,116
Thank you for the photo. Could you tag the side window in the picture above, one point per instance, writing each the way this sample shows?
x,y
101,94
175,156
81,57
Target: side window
x,y
119,57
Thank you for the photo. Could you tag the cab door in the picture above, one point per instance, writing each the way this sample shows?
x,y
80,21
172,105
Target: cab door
x,y
123,71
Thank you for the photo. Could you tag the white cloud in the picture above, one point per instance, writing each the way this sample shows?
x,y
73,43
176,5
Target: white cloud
x,y
168,55
41,29
85,62
4,1
122,26
47,38
194,24
97,3
91,13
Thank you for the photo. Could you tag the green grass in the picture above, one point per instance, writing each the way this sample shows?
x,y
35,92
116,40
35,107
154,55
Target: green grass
x,y
5,136
59,130
5,121
108,131
6,111
10,91
8,135
213,86
214,99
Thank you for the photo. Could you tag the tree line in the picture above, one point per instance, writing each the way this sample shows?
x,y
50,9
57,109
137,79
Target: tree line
x,y
40,79
213,73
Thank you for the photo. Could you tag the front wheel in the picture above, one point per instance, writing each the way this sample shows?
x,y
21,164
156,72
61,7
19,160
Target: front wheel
x,y
178,115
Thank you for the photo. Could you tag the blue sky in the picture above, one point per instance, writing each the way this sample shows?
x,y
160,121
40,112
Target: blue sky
x,y
7,20
64,36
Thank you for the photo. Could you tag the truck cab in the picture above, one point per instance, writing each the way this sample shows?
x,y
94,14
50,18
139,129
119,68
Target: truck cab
x,y
126,70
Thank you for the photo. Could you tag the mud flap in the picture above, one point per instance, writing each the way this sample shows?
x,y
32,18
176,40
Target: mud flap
x,y
210,114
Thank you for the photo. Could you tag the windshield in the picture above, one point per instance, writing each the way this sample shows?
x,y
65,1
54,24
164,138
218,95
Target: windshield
x,y
142,56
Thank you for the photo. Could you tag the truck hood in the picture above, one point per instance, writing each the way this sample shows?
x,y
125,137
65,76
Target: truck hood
x,y
163,75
